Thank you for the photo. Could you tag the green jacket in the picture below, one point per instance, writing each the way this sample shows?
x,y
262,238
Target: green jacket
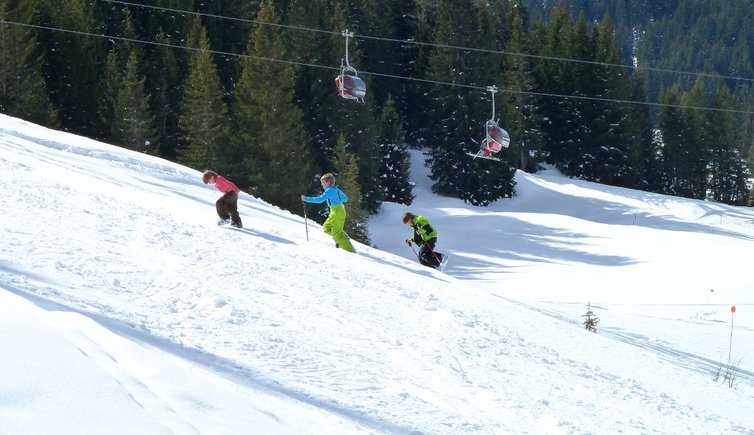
x,y
423,231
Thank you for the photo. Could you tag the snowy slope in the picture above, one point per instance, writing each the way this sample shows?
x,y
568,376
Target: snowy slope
x,y
124,307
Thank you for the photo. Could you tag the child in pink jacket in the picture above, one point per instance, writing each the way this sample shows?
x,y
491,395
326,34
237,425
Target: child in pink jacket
x,y
227,205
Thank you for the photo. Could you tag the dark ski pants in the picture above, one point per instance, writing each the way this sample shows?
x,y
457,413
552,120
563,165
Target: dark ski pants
x,y
427,255
227,208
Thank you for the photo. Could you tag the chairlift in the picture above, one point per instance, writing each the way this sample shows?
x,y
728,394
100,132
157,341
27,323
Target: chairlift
x,y
348,83
495,138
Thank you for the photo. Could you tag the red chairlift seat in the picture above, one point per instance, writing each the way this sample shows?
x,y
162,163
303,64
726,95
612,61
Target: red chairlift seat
x,y
350,87
495,140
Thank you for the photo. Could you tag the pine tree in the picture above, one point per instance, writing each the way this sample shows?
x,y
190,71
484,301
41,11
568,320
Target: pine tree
x,y
315,92
646,152
115,69
743,96
728,172
685,139
357,121
269,131
203,115
396,20
674,130
590,319
228,35
418,95
24,92
606,143
132,121
124,104
707,37
698,143
347,179
395,167
165,68
163,72
109,91
561,117
459,115
520,108
70,63
587,127
152,21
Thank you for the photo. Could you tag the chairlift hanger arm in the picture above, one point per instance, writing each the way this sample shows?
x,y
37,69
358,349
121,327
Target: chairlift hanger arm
x,y
347,35
493,90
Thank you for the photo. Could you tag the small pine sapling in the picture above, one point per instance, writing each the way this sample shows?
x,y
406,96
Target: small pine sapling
x,y
590,319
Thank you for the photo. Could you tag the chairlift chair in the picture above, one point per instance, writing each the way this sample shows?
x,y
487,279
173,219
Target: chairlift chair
x,y
495,138
348,83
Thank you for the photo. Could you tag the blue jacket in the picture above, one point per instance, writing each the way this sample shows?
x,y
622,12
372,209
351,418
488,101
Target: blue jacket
x,y
332,195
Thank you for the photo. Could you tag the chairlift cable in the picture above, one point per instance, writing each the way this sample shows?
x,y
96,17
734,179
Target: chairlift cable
x,y
446,46
375,74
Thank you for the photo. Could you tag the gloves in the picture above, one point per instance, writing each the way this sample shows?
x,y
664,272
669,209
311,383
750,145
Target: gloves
x,y
408,242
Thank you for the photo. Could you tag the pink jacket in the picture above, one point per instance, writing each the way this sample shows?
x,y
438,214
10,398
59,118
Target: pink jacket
x,y
224,185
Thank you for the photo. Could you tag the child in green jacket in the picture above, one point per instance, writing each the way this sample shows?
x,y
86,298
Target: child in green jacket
x,y
425,236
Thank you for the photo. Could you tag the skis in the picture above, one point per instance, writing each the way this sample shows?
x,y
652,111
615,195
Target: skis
x,y
444,262
482,156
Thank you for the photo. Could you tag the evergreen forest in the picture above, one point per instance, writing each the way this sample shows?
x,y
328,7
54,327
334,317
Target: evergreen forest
x,y
651,95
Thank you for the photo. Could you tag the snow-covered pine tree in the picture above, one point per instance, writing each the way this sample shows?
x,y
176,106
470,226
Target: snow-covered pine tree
x,y
395,158
459,113
520,110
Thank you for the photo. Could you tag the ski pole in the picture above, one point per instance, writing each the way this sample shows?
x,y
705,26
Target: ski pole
x,y
306,224
415,253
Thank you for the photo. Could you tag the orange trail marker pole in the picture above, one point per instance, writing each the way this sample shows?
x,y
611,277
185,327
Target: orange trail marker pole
x,y
730,346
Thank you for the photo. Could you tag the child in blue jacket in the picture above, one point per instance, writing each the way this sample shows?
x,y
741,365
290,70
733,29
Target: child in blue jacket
x,y
335,222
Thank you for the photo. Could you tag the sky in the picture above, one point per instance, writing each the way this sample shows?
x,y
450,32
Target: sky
x,y
125,309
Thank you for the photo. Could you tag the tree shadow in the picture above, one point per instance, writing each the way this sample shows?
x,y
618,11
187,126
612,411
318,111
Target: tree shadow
x,y
514,239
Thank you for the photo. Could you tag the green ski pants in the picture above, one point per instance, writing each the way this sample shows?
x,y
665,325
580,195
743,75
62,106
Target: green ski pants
x,y
333,227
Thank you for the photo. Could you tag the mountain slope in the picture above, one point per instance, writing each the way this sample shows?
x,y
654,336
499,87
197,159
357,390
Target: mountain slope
x,y
121,254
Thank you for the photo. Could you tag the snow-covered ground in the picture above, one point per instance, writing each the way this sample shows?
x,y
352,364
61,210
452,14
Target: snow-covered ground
x,y
124,309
